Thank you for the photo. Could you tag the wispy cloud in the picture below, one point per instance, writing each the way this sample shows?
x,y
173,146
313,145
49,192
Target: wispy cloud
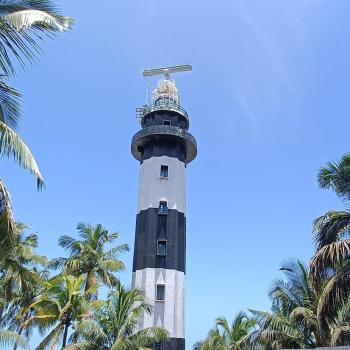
x,y
264,85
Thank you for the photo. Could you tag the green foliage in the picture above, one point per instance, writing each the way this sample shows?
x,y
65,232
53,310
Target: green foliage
x,y
229,337
115,325
88,256
22,25
61,305
336,176
330,266
64,308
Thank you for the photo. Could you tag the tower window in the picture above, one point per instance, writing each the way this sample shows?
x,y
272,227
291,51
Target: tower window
x,y
163,208
158,346
167,122
161,248
160,292
164,171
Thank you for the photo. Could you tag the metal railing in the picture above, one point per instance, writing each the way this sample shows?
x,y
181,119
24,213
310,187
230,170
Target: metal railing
x,y
160,105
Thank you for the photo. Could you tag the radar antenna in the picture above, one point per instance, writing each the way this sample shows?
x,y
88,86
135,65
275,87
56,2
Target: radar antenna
x,y
167,70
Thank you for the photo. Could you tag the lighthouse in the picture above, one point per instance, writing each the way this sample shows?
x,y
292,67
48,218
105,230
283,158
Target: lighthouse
x,y
164,148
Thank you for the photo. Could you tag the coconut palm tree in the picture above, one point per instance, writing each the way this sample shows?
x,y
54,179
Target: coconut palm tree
x,y
21,310
22,26
229,337
331,262
88,256
17,273
116,325
61,306
293,321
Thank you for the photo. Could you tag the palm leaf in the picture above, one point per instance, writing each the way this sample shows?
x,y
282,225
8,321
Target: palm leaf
x,y
21,24
329,257
8,338
341,336
330,227
336,175
11,145
25,19
335,295
10,108
52,337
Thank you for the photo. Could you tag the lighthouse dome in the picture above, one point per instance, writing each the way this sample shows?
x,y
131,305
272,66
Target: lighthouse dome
x,y
166,90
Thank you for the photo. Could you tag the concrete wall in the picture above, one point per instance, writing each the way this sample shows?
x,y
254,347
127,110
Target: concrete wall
x,y
153,189
168,314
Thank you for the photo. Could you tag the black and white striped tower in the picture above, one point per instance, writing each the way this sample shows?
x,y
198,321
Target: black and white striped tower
x,y
164,147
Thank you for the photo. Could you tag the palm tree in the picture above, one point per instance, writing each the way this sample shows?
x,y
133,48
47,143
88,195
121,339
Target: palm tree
x,y
336,176
17,273
22,24
293,322
331,262
21,309
116,325
88,256
61,306
229,337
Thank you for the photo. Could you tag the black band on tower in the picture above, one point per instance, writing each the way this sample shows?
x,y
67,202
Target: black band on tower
x,y
164,140
174,344
152,229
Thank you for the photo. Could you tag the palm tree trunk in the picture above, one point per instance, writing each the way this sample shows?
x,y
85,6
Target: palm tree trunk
x,y
89,278
90,282
1,314
64,342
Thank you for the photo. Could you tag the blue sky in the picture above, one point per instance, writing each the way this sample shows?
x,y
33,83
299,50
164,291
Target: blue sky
x,y
268,101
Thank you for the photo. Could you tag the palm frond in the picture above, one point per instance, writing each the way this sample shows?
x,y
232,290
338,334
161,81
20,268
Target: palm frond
x,y
8,338
328,257
25,19
330,227
11,145
21,24
335,295
115,252
336,175
56,263
79,346
53,336
341,336
10,109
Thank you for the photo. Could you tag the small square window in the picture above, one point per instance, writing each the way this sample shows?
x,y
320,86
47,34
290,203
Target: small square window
x,y
164,171
160,293
158,346
163,208
167,122
161,248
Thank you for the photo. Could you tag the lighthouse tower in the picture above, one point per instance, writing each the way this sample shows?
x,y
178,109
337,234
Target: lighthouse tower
x,y
163,147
